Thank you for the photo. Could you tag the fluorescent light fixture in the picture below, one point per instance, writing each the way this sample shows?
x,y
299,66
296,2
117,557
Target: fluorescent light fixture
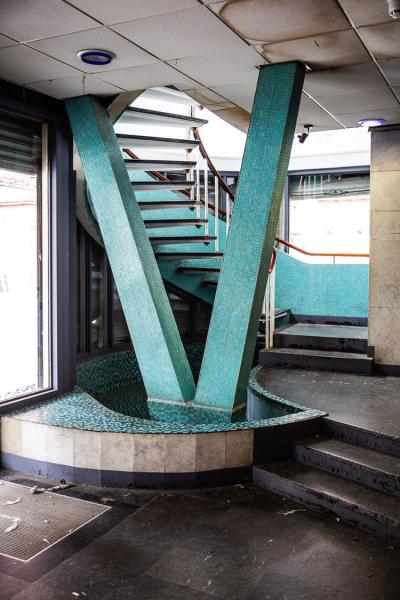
x,y
371,122
96,57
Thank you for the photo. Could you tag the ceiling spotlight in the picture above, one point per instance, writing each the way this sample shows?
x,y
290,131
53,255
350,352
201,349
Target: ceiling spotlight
x,y
371,122
394,8
303,136
96,57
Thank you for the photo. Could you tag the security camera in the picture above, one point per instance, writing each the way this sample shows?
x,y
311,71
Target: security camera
x,y
303,136
394,8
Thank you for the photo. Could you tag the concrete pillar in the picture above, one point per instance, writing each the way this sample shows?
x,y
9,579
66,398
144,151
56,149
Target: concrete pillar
x,y
384,271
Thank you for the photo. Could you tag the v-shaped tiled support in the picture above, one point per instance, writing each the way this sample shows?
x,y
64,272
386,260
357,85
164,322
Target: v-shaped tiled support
x,y
241,287
151,323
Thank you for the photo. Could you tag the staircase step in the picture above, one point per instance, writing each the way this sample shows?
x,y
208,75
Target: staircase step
x,y
339,338
126,141
198,270
189,239
187,255
158,165
372,511
353,434
368,467
156,223
144,116
140,186
166,204
319,360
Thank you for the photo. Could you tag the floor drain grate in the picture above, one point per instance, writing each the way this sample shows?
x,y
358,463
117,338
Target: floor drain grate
x,y
31,523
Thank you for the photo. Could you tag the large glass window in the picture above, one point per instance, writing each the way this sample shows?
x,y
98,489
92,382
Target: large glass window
x,y
24,258
329,212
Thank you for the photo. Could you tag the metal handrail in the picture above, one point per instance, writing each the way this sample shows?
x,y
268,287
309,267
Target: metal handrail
x,y
308,253
211,165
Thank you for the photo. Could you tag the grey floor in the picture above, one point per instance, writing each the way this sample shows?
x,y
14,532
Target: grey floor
x,y
370,402
233,543
319,330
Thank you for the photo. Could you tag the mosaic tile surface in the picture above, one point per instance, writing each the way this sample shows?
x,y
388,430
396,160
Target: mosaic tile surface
x,y
121,410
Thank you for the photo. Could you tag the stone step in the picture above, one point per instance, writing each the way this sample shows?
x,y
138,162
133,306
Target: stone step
x,y
319,360
372,511
368,467
338,338
360,436
145,116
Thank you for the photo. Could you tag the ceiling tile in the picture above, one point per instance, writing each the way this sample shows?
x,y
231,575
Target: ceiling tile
x,y
6,41
311,113
271,21
391,115
396,90
23,65
69,87
27,20
65,48
221,69
146,76
382,40
241,94
208,98
337,49
391,68
351,103
366,12
184,33
346,80
118,11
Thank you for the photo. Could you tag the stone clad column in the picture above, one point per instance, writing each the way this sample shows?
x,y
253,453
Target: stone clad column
x,y
384,270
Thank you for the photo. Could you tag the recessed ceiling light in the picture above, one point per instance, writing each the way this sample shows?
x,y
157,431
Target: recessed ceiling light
x,y
371,122
96,57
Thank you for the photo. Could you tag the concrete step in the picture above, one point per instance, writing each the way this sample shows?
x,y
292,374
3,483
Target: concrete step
x,y
368,467
144,116
184,239
166,204
160,223
158,165
127,141
318,360
188,255
338,338
360,436
372,511
146,186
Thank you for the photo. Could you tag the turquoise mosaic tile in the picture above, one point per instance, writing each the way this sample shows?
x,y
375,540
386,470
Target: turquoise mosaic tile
x,y
121,410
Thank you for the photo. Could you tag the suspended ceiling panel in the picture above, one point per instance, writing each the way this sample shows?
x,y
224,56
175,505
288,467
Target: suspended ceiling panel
x,y
127,10
212,49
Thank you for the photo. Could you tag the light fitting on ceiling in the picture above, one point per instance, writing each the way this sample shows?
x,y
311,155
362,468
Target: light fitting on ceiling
x,y
394,8
303,136
371,122
96,57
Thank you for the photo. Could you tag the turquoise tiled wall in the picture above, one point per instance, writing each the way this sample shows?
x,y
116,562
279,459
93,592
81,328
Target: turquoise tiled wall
x,y
326,290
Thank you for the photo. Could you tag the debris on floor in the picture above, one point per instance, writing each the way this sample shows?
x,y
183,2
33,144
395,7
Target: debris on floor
x,y
291,512
10,502
56,488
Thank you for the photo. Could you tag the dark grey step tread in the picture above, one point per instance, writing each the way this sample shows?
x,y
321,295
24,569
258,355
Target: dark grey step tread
x,y
166,204
157,165
321,330
383,506
145,185
192,239
183,255
364,436
196,270
173,222
371,459
318,353
125,138
161,117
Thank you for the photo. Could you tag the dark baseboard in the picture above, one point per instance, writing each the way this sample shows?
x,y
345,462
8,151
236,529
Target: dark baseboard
x,y
318,320
391,370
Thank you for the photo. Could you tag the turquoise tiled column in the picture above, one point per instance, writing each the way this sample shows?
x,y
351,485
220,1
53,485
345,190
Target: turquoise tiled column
x,y
158,346
237,307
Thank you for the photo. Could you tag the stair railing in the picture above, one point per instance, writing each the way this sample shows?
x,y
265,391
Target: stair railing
x,y
334,255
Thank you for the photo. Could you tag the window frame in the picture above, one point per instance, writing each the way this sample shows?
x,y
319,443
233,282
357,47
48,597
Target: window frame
x,y
324,171
62,218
